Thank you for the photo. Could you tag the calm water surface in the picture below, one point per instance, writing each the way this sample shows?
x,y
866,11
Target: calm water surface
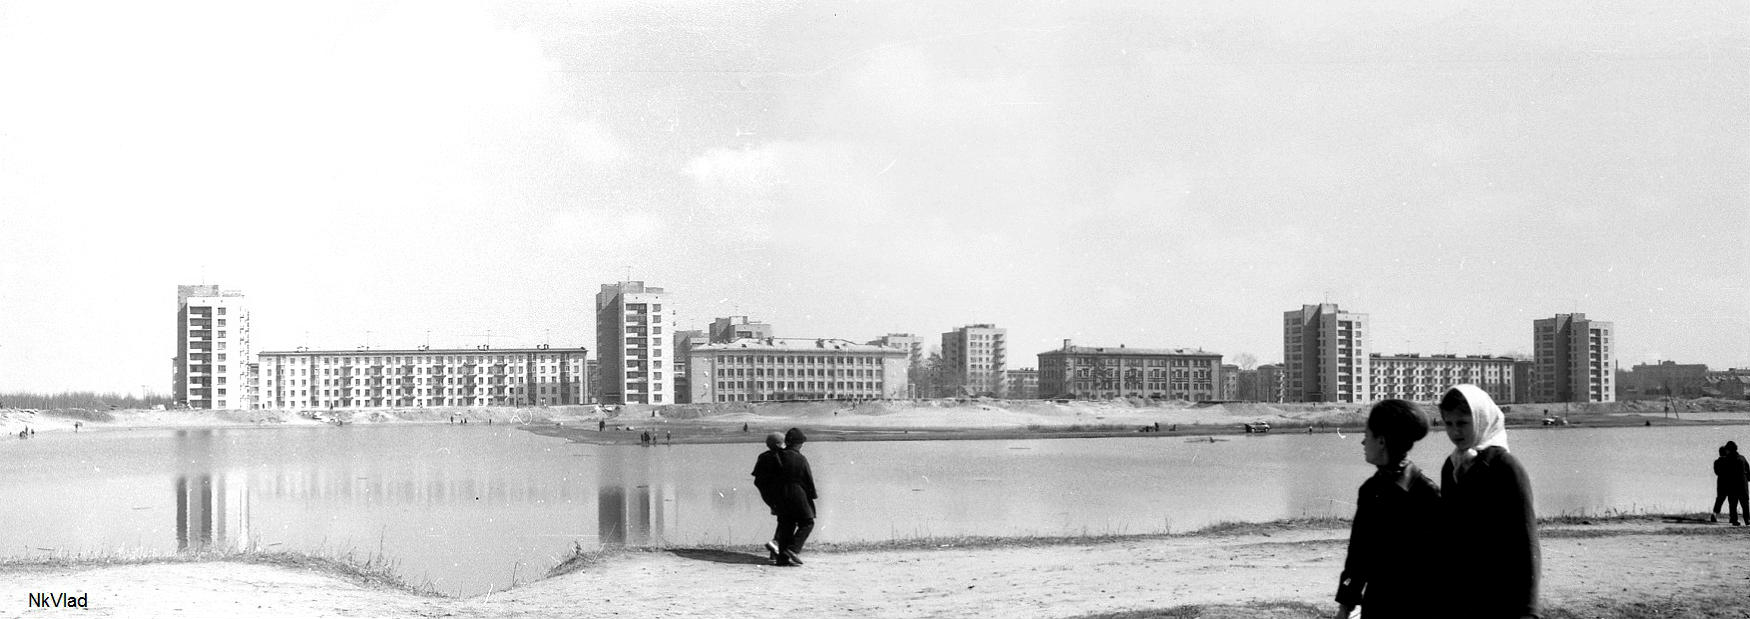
x,y
470,508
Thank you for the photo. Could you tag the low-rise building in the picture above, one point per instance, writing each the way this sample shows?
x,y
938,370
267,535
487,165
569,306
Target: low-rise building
x,y
1104,372
761,370
336,379
1425,379
1666,379
1022,384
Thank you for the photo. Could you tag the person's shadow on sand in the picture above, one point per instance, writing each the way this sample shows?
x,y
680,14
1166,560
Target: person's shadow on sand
x,y
720,556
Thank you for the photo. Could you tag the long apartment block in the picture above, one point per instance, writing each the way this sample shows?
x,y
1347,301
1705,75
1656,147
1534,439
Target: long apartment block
x,y
353,379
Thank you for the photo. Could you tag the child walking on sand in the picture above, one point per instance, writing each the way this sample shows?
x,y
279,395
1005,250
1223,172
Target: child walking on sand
x,y
1486,499
1395,506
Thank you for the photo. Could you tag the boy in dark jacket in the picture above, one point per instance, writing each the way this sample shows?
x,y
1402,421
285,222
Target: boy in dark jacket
x,y
768,478
1396,506
795,506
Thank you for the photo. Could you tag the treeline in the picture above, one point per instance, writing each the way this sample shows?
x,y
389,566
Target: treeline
x,y
81,399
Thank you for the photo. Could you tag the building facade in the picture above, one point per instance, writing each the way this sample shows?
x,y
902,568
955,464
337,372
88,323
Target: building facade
x,y
1575,359
685,340
1424,379
1325,358
731,328
1261,384
914,347
1098,373
1022,384
213,355
1230,382
1666,379
978,355
352,379
636,367
762,370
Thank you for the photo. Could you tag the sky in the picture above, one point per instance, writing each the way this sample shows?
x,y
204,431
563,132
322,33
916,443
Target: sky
x,y
1153,174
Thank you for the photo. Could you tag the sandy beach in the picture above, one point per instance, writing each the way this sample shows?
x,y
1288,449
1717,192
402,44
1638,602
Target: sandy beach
x,y
1621,568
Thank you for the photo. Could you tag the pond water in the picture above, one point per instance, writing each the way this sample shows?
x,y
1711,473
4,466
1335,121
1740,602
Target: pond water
x,y
469,509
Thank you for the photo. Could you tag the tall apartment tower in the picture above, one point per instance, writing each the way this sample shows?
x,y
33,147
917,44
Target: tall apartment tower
x,y
1574,360
212,348
979,355
1324,355
635,365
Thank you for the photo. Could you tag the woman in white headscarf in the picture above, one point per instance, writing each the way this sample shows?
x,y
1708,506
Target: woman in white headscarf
x,y
1486,497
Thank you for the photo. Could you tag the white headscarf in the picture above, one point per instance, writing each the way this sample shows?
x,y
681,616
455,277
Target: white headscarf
x,y
1485,418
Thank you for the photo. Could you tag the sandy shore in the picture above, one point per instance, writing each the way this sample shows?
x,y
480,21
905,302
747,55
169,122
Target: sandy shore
x,y
1620,568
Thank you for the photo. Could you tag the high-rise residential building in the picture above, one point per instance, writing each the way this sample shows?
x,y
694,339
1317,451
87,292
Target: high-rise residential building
x,y
636,367
213,354
1324,354
1425,379
758,370
422,377
978,355
1103,372
914,346
1267,387
1576,359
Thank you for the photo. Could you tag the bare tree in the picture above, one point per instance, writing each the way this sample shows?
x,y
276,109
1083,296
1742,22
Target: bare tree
x,y
1246,360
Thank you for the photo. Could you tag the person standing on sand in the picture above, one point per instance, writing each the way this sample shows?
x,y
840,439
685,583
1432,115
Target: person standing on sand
x,y
796,504
1731,483
1490,524
768,478
1396,504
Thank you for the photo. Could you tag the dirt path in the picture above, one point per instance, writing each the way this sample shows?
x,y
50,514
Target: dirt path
x,y
1638,561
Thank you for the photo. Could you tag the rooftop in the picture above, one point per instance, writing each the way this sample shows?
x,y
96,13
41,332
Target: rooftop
x,y
797,344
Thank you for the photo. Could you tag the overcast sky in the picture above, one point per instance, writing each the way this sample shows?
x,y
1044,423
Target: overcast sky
x,y
1156,174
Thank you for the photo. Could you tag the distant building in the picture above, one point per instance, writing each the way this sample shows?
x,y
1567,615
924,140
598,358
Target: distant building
x,y
211,367
684,341
1260,384
731,328
1022,384
1731,384
1425,379
636,367
914,346
353,379
759,370
1524,378
1666,379
1325,355
1230,382
978,355
1097,373
1576,359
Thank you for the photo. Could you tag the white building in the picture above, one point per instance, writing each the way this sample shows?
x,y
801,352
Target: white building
x,y
755,370
350,379
1424,379
636,367
978,354
211,367
1575,359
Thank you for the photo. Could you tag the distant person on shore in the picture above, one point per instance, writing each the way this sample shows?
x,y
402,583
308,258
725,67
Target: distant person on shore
x,y
796,505
1393,511
768,478
1731,483
1490,524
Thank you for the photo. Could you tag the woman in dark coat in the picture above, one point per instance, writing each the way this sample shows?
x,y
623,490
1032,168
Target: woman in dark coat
x,y
1384,573
795,506
1731,473
1490,522
768,478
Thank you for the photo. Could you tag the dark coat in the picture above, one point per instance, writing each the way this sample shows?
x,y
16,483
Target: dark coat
x,y
1732,472
796,484
1383,573
1490,508
766,477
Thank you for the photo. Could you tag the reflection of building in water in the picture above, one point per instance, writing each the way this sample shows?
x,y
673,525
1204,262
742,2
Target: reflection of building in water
x,y
635,516
212,511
